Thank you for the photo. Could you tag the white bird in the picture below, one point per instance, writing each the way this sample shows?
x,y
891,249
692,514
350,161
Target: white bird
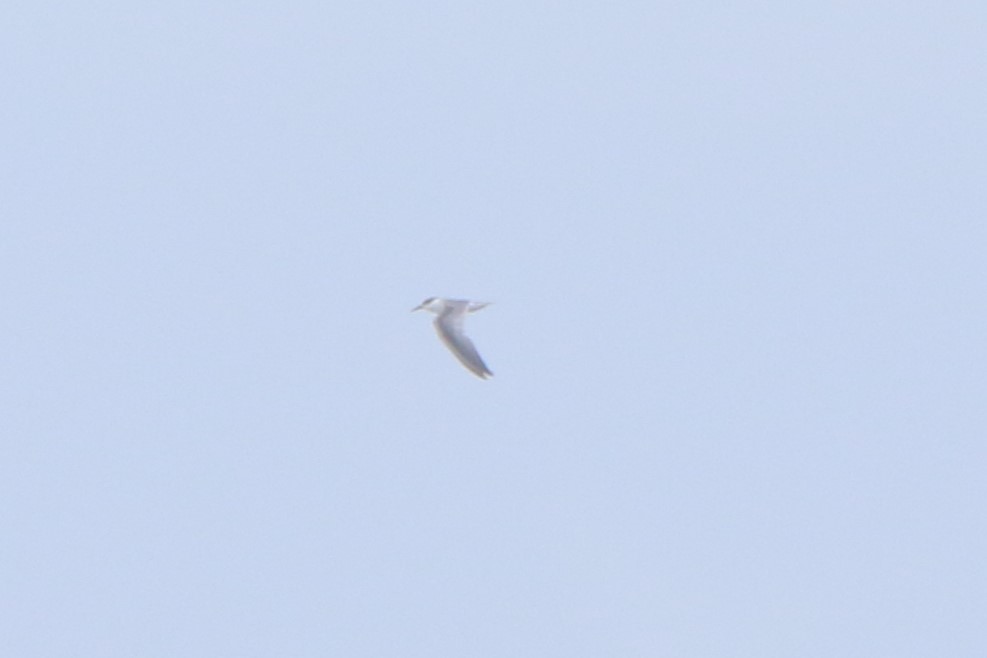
x,y
449,325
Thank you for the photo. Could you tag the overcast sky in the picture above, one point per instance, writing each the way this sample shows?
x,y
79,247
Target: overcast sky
x,y
736,254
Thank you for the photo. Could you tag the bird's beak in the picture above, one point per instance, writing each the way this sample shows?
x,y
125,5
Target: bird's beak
x,y
417,308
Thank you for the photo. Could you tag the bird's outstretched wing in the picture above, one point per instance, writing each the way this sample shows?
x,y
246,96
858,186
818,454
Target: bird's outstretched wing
x,y
449,326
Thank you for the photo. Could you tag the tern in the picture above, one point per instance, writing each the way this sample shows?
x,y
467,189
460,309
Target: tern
x,y
449,325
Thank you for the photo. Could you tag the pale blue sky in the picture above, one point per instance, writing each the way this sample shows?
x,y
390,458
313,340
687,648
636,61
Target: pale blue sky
x,y
736,253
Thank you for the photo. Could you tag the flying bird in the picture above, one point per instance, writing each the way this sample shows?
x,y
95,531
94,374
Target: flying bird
x,y
449,325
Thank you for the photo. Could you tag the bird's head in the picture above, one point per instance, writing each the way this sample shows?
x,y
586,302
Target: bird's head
x,y
433,304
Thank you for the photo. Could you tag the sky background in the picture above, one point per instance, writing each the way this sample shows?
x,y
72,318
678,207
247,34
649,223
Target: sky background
x,y
736,254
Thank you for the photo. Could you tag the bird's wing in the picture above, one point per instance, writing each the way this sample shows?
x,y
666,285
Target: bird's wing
x,y
449,326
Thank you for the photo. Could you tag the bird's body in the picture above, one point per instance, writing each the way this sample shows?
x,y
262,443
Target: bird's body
x,y
449,325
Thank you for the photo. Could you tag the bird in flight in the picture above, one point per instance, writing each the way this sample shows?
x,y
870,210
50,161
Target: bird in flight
x,y
449,325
